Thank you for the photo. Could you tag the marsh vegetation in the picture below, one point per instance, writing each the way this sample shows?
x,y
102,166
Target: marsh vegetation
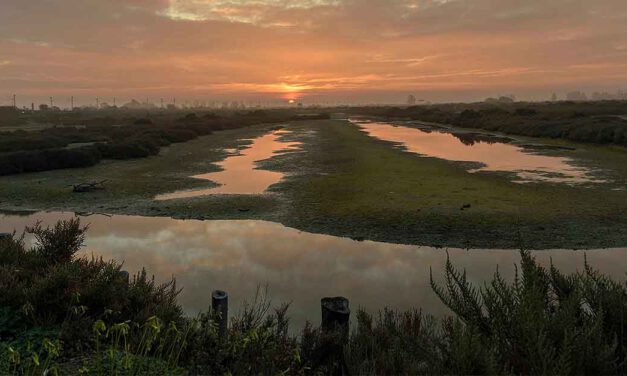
x,y
105,138
343,182
65,314
595,122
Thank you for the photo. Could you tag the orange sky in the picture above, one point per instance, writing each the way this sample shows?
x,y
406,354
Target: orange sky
x,y
312,50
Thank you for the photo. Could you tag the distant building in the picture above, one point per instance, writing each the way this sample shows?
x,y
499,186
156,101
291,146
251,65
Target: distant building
x,y
577,96
507,99
132,105
596,96
135,105
605,96
411,100
501,99
554,97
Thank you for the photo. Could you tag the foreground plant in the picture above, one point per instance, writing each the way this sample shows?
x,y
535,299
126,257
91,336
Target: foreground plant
x,y
544,322
68,315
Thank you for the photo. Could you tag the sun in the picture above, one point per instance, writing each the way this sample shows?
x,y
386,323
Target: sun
x,y
291,101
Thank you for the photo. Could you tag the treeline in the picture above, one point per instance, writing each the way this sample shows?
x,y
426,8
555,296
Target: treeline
x,y
62,313
72,147
595,122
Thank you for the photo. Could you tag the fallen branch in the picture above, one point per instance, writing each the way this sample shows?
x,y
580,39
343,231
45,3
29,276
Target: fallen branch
x,y
88,187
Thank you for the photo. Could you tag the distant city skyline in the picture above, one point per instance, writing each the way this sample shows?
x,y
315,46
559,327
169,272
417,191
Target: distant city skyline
x,y
316,51
407,99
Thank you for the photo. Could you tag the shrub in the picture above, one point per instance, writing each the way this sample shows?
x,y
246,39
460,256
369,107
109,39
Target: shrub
x,y
142,121
174,135
49,159
525,112
128,149
48,149
60,243
49,287
543,322
582,122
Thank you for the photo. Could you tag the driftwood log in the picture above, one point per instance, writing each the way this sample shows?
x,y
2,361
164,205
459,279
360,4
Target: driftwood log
x,y
88,187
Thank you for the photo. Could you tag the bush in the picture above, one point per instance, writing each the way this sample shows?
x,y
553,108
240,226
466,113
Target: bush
x,y
60,243
128,149
525,112
51,159
582,122
49,149
142,121
545,322
72,313
47,286
175,135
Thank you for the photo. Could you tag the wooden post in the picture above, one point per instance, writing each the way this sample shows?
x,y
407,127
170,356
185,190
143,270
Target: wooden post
x,y
335,315
124,275
220,307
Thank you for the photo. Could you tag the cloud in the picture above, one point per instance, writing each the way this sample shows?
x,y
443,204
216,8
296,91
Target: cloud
x,y
322,47
253,11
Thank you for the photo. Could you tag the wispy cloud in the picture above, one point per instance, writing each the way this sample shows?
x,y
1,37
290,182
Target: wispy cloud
x,y
253,11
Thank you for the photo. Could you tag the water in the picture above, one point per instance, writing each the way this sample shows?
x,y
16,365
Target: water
x,y
298,267
239,173
494,155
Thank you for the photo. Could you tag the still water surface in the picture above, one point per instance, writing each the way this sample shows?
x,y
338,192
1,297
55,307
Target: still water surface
x,y
528,165
239,173
298,267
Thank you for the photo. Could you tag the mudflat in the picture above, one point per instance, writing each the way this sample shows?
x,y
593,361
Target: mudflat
x,y
341,181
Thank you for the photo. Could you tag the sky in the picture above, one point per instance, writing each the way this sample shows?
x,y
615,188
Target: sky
x,y
362,51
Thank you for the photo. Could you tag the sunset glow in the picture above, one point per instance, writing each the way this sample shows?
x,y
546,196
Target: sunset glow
x,y
369,50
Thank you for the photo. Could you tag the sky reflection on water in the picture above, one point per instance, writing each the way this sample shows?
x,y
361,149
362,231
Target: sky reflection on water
x,y
495,156
298,267
239,173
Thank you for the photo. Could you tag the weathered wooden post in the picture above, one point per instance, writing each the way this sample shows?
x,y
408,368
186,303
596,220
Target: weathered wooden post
x,y
124,275
220,307
335,324
335,315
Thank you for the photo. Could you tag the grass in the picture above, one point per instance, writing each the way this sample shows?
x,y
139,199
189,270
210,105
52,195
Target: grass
x,y
364,188
544,322
349,184
132,184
